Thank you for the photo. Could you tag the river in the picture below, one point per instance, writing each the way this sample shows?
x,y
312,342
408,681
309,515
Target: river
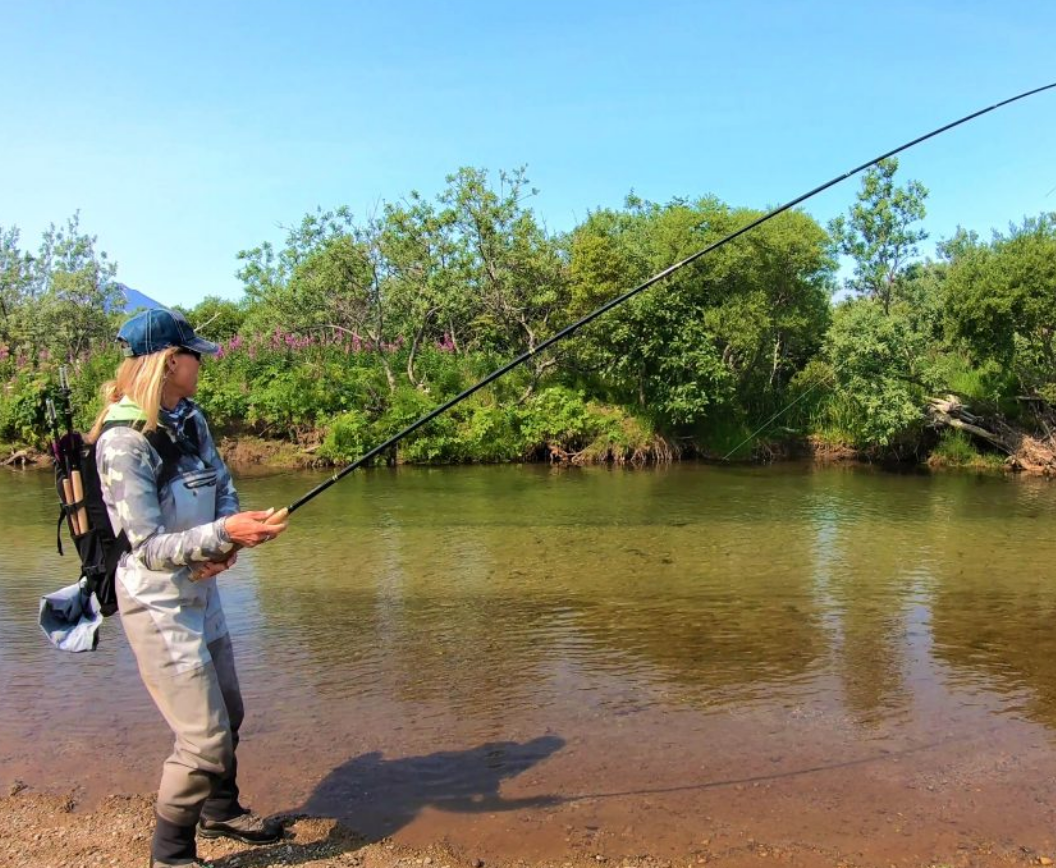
x,y
532,662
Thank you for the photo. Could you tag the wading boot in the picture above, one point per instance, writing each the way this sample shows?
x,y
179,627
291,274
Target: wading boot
x,y
173,846
249,828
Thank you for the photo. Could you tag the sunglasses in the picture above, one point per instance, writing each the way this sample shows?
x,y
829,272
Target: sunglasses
x,y
183,351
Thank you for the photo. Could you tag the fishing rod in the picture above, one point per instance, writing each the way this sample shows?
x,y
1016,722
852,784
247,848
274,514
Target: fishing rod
x,y
70,447
63,465
281,515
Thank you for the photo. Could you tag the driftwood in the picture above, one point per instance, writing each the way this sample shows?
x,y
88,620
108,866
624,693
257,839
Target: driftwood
x,y
20,459
1024,452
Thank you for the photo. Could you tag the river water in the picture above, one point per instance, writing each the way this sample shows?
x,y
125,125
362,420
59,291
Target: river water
x,y
527,662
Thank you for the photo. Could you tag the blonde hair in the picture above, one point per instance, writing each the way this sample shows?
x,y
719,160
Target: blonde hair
x,y
139,379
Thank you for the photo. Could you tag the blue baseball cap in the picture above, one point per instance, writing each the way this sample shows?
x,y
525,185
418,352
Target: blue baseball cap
x,y
154,330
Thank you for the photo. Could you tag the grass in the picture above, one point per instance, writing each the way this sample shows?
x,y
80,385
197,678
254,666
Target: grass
x,y
956,449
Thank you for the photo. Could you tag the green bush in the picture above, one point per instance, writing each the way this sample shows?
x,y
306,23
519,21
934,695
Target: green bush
x,y
490,434
22,410
871,354
621,437
348,437
957,449
556,415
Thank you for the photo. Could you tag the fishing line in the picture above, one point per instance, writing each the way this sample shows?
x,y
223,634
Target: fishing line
x,y
831,375
605,308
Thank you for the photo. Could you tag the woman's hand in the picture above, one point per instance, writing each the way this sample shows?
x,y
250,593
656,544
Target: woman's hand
x,y
245,529
214,568
248,529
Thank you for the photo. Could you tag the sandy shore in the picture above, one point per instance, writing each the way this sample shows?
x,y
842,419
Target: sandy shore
x,y
41,831
49,831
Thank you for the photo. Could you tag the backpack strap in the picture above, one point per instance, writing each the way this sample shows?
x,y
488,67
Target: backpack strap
x,y
169,450
58,528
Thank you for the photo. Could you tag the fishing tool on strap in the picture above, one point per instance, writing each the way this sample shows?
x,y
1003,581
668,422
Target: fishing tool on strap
x,y
67,450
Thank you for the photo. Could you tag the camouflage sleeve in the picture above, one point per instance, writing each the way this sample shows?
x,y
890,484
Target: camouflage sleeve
x,y
127,468
226,496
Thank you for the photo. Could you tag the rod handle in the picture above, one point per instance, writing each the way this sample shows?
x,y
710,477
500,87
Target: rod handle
x,y
278,517
68,498
78,493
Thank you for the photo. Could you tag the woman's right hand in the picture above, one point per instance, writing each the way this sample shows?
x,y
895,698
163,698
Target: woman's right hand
x,y
248,529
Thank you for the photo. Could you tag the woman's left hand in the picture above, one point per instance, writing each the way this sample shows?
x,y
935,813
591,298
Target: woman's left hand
x,y
214,568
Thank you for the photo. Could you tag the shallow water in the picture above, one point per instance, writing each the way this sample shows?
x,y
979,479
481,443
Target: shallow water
x,y
528,662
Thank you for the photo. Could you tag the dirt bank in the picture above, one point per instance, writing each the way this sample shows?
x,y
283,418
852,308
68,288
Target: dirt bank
x,y
246,454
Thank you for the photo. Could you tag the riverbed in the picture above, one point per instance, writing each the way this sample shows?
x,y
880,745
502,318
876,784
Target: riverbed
x,y
525,663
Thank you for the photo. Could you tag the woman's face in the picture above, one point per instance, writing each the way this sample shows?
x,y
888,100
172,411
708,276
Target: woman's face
x,y
182,381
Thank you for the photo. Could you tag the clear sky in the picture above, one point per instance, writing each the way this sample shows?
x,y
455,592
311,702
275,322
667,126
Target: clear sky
x,y
187,131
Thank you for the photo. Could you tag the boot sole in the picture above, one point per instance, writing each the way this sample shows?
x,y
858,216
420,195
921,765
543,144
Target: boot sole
x,y
235,836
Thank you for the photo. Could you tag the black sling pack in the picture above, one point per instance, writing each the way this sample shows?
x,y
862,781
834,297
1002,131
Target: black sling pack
x,y
99,548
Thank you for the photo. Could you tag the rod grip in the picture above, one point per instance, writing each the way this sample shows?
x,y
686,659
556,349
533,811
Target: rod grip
x,y
78,493
68,498
278,517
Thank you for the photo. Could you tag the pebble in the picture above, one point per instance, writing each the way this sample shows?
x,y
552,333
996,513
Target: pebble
x,y
1044,860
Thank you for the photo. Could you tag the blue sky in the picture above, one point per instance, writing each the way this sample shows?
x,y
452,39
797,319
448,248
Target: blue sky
x,y
186,132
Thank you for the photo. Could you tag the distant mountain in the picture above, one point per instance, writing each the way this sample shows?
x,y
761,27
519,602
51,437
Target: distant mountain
x,y
136,300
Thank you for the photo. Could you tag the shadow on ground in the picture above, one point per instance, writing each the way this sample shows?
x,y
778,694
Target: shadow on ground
x,y
376,797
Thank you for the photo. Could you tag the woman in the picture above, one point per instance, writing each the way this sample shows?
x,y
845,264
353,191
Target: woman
x,y
178,507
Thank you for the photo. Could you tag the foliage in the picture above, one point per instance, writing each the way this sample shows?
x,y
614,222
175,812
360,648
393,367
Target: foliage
x,y
58,302
876,232
1001,301
874,358
217,319
722,336
956,449
22,410
347,438
353,328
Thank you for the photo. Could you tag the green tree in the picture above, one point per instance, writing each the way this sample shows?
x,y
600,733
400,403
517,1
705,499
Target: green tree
x,y
329,277
421,247
875,356
217,319
877,232
724,334
60,300
1001,300
514,271
15,278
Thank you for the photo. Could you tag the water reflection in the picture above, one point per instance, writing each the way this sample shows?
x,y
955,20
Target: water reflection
x,y
867,584
444,599
459,605
994,597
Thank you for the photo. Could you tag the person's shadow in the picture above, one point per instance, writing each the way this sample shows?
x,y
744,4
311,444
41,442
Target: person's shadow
x,y
378,797
374,797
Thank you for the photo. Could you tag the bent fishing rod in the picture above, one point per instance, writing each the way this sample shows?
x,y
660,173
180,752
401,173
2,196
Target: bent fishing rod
x,y
569,330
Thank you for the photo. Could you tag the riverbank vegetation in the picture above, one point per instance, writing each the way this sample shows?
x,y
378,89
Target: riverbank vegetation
x,y
353,328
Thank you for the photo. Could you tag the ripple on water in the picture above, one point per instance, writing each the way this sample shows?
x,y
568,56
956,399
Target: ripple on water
x,y
669,613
